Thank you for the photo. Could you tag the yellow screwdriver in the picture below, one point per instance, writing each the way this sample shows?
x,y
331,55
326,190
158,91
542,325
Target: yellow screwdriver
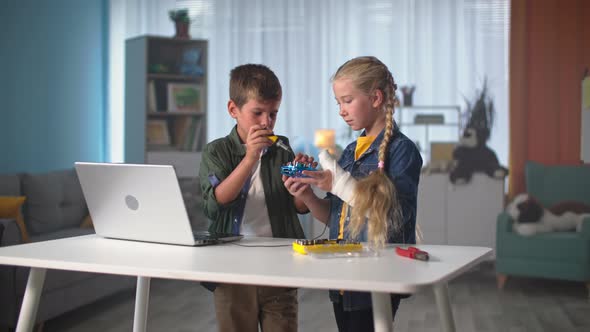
x,y
275,139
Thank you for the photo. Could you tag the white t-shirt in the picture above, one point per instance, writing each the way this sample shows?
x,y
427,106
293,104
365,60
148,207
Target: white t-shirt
x,y
255,221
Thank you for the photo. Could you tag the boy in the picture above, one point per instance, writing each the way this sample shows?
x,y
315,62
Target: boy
x,y
244,193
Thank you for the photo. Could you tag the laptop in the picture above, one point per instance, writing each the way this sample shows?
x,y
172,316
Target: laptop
x,y
140,202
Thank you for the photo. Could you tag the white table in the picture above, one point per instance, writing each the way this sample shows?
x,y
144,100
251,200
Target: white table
x,y
228,263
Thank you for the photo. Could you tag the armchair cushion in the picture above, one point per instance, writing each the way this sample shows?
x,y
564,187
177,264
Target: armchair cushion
x,y
552,184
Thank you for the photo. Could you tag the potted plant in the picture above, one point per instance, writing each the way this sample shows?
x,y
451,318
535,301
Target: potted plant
x,y
408,91
181,21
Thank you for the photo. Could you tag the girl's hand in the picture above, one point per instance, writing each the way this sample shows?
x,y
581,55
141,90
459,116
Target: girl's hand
x,y
257,140
320,179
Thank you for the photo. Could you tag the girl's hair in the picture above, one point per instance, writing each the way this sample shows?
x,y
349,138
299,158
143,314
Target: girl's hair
x,y
375,196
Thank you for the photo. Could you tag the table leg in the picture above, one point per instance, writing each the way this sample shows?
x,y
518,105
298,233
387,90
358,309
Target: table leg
x,y
28,310
142,297
441,294
382,317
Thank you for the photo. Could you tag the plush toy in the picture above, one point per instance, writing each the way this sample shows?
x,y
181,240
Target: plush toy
x,y
472,154
190,63
531,218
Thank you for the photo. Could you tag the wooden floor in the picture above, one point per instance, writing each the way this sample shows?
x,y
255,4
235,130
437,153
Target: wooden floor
x,y
525,305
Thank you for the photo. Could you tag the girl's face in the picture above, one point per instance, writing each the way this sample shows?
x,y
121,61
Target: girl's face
x,y
357,109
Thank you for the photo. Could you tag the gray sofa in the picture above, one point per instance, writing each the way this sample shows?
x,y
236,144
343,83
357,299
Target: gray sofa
x,y
54,208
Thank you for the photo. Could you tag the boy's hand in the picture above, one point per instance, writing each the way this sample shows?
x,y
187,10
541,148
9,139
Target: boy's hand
x,y
257,140
299,190
303,158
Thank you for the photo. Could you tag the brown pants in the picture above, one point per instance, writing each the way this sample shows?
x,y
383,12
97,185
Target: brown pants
x,y
242,307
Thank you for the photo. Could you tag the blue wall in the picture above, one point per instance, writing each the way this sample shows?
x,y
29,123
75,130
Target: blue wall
x,y
53,60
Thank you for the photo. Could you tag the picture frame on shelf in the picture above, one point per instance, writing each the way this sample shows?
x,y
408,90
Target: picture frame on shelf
x,y
157,133
184,97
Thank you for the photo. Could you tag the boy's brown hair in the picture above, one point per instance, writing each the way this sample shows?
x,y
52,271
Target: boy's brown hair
x,y
253,81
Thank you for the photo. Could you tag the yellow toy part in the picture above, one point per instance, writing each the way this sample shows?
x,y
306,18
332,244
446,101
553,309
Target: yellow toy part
x,y
306,247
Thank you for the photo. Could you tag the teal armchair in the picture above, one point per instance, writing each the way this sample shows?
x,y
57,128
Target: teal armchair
x,y
559,255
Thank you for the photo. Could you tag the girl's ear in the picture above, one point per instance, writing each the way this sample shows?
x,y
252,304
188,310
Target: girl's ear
x,y
232,109
377,98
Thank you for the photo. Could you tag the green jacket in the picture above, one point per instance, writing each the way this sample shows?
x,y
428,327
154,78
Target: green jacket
x,y
220,157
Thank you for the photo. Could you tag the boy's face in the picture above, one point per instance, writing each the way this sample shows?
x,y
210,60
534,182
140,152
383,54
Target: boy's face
x,y
254,112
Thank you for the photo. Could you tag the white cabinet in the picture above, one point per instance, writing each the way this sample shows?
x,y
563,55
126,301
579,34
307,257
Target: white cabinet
x,y
432,208
459,214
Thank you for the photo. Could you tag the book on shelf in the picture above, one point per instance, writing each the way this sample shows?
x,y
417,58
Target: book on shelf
x,y
191,143
181,130
197,135
152,100
188,133
157,132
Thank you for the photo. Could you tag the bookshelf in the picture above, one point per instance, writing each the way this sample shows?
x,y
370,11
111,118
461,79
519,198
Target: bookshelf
x,y
166,101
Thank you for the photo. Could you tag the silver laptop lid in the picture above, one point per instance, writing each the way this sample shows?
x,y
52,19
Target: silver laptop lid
x,y
135,202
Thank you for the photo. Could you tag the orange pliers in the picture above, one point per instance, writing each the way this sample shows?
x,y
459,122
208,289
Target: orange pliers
x,y
412,252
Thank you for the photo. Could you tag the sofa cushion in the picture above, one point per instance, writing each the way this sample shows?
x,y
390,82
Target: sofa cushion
x,y
12,234
54,201
551,184
9,185
10,206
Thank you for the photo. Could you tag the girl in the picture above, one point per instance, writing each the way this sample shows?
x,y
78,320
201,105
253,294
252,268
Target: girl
x,y
372,189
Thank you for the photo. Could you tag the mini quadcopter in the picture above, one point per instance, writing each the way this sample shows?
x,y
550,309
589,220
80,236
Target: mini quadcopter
x,y
296,169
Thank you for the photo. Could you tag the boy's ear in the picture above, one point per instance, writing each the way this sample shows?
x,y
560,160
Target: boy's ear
x,y
378,98
232,109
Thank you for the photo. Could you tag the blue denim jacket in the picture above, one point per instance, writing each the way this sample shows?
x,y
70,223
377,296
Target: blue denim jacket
x,y
403,164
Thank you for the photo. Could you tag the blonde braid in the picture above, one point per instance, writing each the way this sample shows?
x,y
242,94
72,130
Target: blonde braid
x,y
389,108
376,195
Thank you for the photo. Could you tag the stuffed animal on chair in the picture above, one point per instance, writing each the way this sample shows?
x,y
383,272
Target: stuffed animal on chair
x,y
531,218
